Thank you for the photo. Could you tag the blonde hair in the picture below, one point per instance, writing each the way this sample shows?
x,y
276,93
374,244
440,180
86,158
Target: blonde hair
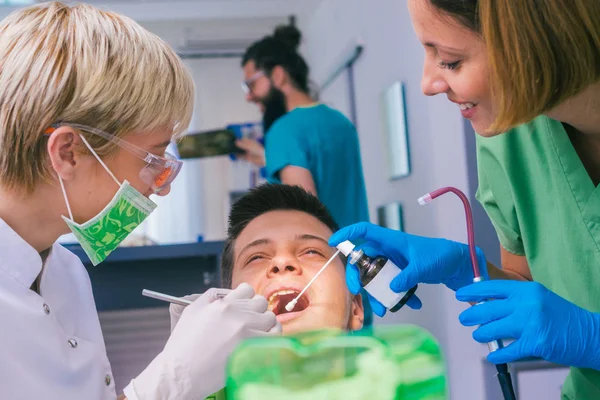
x,y
541,53
80,64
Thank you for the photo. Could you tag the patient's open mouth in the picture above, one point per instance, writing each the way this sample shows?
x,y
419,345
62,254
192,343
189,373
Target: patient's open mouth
x,y
279,299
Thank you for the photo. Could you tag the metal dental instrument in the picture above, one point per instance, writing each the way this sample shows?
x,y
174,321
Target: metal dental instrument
x,y
166,297
172,299
290,306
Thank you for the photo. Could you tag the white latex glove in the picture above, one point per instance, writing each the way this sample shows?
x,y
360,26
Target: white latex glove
x,y
175,310
192,364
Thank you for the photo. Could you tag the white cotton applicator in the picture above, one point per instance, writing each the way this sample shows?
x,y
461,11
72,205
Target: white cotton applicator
x,y
290,306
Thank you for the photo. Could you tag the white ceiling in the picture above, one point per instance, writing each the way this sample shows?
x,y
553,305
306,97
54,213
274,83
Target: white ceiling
x,y
157,10
214,32
182,21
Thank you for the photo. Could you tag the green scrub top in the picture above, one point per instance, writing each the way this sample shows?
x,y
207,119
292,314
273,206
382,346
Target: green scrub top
x,y
544,206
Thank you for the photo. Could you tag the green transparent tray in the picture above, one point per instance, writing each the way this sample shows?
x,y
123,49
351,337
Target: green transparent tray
x,y
381,363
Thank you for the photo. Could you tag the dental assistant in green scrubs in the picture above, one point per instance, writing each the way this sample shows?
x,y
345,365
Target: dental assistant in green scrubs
x,y
526,74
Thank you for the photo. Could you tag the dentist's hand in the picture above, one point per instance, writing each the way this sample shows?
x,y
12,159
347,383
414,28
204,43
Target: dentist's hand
x,y
212,294
427,260
544,324
192,364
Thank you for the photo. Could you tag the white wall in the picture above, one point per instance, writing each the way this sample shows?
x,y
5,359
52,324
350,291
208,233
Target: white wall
x,y
198,204
178,10
219,101
437,149
176,32
199,201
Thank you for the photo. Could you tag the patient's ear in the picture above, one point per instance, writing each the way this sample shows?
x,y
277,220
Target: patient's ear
x,y
357,314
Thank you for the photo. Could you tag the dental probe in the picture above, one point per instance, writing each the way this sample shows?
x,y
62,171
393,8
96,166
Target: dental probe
x,y
290,306
172,299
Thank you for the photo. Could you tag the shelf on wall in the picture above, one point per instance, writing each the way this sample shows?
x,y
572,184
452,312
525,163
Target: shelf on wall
x,y
173,269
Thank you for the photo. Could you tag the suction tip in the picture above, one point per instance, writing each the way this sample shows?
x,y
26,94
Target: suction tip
x,y
290,306
425,199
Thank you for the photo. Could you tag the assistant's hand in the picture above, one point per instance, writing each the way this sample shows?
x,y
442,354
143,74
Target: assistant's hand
x,y
544,324
192,364
255,152
427,260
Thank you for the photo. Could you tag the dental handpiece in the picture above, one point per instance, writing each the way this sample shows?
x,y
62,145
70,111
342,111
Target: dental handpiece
x,y
172,299
290,306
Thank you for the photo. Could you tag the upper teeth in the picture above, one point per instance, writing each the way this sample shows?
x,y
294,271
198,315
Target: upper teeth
x,y
280,293
466,106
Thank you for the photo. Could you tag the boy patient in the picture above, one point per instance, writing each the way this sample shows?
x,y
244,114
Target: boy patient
x,y
276,242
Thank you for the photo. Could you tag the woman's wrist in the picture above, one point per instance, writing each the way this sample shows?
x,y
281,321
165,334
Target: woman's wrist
x,y
496,273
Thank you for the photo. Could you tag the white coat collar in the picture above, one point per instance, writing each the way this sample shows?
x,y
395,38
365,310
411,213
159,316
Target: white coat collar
x,y
17,258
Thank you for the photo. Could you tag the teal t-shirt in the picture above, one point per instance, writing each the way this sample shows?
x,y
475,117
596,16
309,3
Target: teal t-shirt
x,y
325,142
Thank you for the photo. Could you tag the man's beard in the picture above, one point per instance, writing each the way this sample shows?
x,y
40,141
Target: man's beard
x,y
275,107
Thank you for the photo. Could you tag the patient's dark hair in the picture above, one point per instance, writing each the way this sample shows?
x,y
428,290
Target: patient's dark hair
x,y
261,200
281,49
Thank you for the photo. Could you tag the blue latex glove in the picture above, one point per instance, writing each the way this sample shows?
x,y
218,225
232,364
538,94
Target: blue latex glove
x,y
544,324
423,260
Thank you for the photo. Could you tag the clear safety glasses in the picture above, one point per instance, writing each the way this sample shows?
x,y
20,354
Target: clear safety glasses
x,y
248,84
159,172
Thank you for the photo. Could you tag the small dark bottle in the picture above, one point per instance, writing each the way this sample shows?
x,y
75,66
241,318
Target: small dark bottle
x,y
376,274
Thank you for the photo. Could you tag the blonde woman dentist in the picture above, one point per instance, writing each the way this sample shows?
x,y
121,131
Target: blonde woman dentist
x,y
89,101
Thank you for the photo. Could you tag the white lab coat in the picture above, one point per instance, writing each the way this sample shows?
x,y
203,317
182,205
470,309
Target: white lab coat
x,y
51,345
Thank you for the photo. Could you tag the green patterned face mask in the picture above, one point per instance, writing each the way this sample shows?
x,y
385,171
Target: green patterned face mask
x,y
102,234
